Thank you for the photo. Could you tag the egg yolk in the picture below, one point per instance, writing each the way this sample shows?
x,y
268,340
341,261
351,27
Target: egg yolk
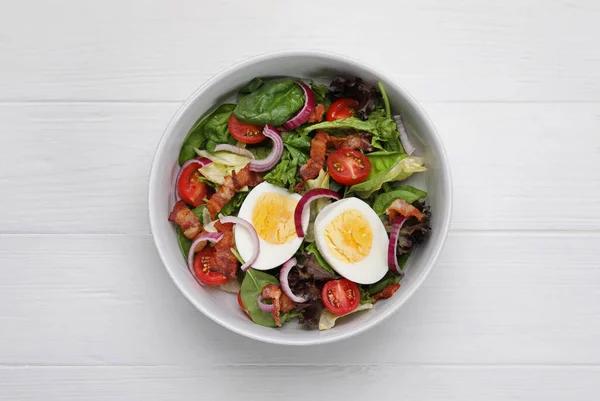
x,y
273,218
349,236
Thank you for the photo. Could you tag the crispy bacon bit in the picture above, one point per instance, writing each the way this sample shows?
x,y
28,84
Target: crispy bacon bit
x,y
317,115
400,207
360,141
387,292
281,302
318,148
225,261
231,184
186,220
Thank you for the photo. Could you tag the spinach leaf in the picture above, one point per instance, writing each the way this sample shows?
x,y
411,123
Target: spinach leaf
x,y
194,139
251,86
406,193
216,130
184,243
389,278
320,92
233,206
254,282
311,249
386,167
274,102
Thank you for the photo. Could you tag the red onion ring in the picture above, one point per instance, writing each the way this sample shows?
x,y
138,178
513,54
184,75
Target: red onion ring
x,y
404,138
285,286
301,117
210,237
264,307
393,245
225,147
305,202
273,158
253,236
203,161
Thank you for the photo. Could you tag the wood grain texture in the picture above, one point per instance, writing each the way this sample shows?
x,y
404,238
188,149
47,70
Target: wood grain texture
x,y
492,299
515,166
329,382
512,50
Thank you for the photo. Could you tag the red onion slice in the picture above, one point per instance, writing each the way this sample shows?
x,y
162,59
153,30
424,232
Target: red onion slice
x,y
202,161
404,137
301,117
253,235
225,147
273,158
305,202
210,237
283,278
264,307
393,245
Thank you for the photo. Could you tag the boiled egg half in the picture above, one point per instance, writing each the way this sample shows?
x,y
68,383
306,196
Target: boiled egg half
x,y
270,210
353,240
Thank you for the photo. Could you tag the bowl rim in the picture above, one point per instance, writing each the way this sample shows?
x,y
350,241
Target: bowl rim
x,y
265,57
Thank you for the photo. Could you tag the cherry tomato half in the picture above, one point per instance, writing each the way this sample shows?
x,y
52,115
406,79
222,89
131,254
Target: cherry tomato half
x,y
342,109
192,191
245,133
341,296
348,166
202,264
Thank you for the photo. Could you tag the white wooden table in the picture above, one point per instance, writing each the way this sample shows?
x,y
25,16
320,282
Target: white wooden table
x,y
511,311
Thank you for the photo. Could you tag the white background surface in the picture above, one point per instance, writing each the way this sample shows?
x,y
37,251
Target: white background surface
x,y
511,311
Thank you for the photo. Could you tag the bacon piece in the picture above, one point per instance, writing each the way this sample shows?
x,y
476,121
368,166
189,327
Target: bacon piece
x,y
387,292
318,148
317,115
281,302
225,261
360,141
231,184
245,177
401,207
186,220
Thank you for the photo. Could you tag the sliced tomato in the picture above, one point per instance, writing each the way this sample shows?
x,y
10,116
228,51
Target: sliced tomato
x,y
342,109
245,133
191,191
242,305
348,166
341,296
203,262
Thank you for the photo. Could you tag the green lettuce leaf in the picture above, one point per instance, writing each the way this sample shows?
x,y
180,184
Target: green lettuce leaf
x,y
387,167
223,163
406,193
311,249
295,154
327,319
383,129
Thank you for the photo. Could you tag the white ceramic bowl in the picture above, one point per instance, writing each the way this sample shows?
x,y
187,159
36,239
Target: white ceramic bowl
x,y
320,66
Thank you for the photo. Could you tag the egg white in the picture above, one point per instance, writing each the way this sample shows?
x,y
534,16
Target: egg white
x,y
372,267
270,255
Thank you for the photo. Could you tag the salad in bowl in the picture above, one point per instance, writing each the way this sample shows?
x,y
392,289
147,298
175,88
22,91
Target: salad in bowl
x,y
294,198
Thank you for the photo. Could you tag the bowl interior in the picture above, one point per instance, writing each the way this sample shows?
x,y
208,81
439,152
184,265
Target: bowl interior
x,y
222,307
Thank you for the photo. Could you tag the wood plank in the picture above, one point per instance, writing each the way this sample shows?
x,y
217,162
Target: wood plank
x,y
84,167
107,300
512,50
291,382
